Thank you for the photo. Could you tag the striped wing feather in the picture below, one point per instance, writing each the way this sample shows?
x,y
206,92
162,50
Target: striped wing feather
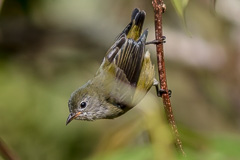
x,y
127,55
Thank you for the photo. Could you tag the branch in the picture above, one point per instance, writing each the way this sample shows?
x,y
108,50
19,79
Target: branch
x,y
6,152
159,8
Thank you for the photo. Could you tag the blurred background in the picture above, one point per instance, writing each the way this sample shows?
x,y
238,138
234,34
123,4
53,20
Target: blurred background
x,y
50,48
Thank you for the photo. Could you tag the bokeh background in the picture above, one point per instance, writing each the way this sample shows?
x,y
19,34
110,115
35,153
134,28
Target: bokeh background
x,y
50,48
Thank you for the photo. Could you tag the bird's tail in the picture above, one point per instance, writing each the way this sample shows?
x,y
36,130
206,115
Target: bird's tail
x,y
134,29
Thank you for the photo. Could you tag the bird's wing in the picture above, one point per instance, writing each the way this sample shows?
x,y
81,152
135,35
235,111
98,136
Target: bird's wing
x,y
128,55
113,83
146,78
128,51
122,67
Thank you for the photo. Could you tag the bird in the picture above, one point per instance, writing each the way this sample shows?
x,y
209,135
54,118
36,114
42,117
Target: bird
x,y
123,79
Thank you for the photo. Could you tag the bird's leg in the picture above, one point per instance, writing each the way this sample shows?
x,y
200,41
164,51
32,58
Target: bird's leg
x,y
160,92
162,40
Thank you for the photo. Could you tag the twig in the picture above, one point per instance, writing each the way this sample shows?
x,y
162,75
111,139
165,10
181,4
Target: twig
x,y
159,8
6,152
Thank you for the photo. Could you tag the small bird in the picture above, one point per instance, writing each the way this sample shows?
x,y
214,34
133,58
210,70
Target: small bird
x,y
124,77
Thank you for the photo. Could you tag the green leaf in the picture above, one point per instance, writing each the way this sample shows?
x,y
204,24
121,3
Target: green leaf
x,y
180,6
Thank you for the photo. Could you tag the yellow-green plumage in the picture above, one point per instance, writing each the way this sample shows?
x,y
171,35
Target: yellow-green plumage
x,y
124,77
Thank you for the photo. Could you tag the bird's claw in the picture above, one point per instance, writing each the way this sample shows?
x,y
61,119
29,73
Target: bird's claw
x,y
156,41
160,92
163,91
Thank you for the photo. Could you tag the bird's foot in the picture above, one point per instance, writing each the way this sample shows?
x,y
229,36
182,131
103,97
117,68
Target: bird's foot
x,y
162,40
160,92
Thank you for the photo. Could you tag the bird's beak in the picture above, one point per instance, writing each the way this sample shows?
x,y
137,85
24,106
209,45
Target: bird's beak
x,y
71,117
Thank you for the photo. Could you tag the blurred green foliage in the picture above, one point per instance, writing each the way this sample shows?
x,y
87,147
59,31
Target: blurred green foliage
x,y
50,48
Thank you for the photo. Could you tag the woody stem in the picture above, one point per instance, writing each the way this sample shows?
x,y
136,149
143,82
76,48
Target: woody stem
x,y
159,8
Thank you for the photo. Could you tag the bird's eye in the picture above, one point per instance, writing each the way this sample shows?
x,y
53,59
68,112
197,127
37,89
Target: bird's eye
x,y
83,104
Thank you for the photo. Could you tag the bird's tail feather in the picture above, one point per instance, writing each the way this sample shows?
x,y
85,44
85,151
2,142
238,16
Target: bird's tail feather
x,y
134,29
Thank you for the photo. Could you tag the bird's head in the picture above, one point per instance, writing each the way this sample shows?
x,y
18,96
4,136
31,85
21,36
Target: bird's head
x,y
88,103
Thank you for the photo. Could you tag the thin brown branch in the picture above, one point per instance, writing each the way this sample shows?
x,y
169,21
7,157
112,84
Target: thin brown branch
x,y
6,152
159,8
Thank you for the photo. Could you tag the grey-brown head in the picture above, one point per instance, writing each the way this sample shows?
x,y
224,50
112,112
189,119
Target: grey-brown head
x,y
87,103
